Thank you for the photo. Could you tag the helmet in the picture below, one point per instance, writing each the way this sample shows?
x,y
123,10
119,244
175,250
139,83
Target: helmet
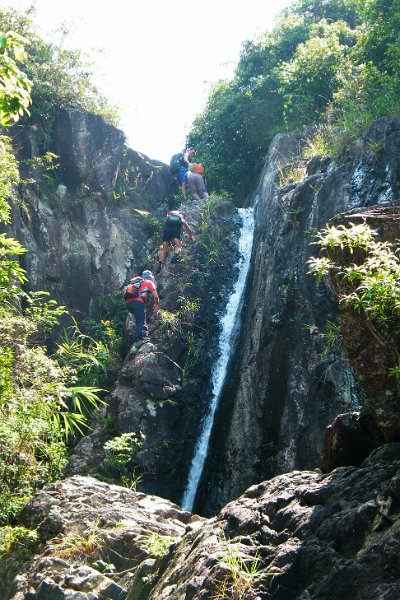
x,y
136,278
147,275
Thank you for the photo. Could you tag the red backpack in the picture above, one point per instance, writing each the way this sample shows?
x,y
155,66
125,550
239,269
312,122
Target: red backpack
x,y
132,290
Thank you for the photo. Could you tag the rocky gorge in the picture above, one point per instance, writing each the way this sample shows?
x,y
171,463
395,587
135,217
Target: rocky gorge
x,y
293,504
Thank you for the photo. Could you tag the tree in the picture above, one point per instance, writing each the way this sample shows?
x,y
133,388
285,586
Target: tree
x,y
284,79
309,80
15,86
40,405
61,77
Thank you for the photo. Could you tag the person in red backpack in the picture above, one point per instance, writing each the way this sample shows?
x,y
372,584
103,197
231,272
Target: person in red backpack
x,y
135,294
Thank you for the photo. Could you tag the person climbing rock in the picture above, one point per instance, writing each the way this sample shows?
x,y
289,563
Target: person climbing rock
x,y
136,294
172,236
195,181
179,166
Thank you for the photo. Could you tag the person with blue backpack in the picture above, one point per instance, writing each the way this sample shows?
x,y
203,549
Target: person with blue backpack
x,y
174,226
179,166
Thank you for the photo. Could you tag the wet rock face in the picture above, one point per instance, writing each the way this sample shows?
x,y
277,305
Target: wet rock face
x,y
78,221
284,388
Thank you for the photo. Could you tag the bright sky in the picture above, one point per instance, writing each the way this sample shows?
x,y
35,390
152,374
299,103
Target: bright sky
x,y
156,59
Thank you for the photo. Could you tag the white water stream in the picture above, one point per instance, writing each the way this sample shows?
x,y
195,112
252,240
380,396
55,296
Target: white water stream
x,y
227,339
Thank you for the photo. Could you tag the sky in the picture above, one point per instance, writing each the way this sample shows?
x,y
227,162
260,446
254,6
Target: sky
x,y
156,59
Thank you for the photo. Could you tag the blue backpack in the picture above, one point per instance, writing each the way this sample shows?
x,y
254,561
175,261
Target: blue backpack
x,y
176,163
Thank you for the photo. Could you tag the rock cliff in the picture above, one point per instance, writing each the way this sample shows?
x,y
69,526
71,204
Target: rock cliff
x,y
299,536
163,389
90,212
296,536
284,389
77,211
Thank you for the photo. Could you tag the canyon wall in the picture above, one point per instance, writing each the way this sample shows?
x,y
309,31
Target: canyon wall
x,y
284,388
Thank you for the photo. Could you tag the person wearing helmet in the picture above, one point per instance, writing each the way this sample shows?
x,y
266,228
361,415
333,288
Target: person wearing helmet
x,y
135,294
149,276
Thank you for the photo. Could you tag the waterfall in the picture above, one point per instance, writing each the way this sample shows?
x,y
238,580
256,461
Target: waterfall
x,y
226,345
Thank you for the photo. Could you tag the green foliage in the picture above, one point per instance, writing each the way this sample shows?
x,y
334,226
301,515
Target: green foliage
x,y
366,274
157,545
60,77
335,63
332,337
13,538
85,355
106,329
15,87
284,79
11,273
310,78
43,312
188,307
121,457
244,574
39,411
9,176
169,322
83,546
364,94
395,372
43,169
39,406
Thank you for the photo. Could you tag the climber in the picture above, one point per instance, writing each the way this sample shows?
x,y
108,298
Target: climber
x,y
172,235
136,294
179,166
195,181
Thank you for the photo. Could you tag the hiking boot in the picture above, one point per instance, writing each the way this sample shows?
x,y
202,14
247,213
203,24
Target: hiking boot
x,y
175,258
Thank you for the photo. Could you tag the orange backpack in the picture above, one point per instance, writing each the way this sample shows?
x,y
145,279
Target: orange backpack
x,y
198,168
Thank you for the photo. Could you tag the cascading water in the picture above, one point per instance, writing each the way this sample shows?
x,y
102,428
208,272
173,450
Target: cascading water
x,y
226,345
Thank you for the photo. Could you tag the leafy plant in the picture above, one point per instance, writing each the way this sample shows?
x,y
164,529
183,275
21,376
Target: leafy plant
x,y
13,538
42,310
121,456
332,337
188,307
15,90
61,77
43,168
40,407
244,574
169,322
9,176
157,545
366,273
291,173
87,356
